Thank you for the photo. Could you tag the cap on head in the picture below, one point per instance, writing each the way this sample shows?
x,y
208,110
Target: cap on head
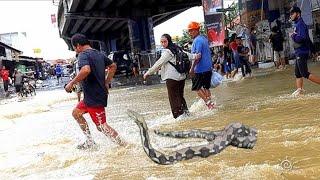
x,y
193,26
295,9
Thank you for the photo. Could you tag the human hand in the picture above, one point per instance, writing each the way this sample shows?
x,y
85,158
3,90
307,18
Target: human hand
x,y
145,76
191,72
68,87
198,56
292,33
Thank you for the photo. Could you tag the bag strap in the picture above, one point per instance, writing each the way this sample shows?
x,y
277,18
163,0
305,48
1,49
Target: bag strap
x,y
175,55
174,65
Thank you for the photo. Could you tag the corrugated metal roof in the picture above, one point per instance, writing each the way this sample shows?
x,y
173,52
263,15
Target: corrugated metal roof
x,y
9,47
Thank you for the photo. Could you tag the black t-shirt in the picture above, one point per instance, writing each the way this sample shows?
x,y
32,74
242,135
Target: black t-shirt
x,y
227,54
242,50
277,41
94,84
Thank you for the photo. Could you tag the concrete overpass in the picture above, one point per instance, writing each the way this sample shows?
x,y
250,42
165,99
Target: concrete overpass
x,y
118,24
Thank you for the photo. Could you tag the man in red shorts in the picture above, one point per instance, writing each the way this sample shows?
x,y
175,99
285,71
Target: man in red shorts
x,y
92,65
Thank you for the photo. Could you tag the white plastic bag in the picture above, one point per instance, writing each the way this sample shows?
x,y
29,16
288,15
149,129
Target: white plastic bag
x,y
216,79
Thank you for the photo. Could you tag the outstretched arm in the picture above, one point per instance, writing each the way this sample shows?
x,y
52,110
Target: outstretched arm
x,y
84,72
165,56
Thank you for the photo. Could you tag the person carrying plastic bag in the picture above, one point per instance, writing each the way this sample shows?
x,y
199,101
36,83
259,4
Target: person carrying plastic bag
x,y
216,79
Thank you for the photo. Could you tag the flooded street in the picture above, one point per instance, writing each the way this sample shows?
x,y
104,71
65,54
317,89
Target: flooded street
x,y
39,136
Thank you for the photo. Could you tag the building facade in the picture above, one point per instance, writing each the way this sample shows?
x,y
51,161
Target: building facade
x,y
264,14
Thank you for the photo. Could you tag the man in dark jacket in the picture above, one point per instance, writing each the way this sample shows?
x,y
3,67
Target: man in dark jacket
x,y
301,43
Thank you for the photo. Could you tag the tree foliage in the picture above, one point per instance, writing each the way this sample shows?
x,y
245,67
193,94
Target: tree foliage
x,y
185,38
231,15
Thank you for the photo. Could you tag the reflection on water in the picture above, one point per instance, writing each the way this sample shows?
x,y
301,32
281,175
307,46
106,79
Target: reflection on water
x,y
40,142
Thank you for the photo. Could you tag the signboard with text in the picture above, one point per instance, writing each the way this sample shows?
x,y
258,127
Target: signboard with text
x,y
211,6
214,21
215,29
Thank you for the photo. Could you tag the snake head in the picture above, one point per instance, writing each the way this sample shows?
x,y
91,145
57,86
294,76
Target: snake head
x,y
138,118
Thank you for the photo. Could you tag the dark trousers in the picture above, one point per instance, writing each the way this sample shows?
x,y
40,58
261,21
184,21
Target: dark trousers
x,y
6,85
301,66
175,92
245,67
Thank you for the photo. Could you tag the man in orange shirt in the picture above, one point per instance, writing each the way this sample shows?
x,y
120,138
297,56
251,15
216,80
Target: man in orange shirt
x,y
5,78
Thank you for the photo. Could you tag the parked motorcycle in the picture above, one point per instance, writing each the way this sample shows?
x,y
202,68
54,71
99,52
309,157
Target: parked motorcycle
x,y
28,87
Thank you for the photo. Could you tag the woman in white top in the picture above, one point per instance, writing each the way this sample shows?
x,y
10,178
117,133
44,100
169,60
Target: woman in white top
x,y
175,81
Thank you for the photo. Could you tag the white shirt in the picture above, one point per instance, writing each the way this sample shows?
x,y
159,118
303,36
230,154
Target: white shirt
x,y
167,70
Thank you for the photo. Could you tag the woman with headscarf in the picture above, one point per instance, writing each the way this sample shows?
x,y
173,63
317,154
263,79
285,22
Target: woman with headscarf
x,y
175,81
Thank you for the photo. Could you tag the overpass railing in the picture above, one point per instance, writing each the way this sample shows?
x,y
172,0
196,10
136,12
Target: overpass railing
x,y
146,61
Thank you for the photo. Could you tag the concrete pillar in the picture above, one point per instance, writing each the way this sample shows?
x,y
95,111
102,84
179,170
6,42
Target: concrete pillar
x,y
103,47
141,34
306,13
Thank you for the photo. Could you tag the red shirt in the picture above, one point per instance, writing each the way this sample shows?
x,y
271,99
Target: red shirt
x,y
4,75
233,46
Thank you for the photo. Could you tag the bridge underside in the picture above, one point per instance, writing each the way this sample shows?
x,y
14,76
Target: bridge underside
x,y
117,24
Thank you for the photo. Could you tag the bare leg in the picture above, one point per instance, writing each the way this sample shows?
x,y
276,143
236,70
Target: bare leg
x,y
78,115
314,78
205,94
201,93
283,63
254,59
111,133
234,72
299,82
277,64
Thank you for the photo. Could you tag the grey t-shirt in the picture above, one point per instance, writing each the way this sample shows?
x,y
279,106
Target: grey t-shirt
x,y
18,79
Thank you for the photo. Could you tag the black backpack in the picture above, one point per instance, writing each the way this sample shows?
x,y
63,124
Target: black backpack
x,y
311,46
183,63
